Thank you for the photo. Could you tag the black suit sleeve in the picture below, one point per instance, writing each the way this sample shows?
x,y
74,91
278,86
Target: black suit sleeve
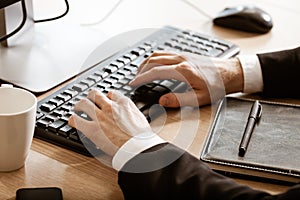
x,y
281,71
186,177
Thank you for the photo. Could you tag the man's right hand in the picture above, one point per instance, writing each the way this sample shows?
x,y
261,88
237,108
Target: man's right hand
x,y
209,79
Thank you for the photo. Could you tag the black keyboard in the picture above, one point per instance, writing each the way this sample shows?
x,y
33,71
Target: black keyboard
x,y
115,73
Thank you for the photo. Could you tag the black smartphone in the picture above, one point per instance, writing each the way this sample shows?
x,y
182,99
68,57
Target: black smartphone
x,y
44,193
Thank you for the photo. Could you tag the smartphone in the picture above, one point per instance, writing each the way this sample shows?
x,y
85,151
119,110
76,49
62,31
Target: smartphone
x,y
45,193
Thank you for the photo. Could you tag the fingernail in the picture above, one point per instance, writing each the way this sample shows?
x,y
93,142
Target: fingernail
x,y
164,101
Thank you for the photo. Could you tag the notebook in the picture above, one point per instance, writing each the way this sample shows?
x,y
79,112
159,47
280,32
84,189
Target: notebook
x,y
274,147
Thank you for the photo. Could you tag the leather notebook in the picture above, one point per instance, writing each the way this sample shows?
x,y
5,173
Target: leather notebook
x,y
274,148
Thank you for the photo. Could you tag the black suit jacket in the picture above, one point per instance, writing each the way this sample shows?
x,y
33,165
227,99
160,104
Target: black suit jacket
x,y
167,172
281,73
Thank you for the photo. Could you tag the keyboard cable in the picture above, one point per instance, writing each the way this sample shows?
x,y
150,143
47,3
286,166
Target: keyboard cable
x,y
108,14
24,11
120,1
55,18
202,12
5,37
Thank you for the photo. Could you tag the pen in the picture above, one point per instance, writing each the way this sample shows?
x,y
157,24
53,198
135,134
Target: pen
x,y
254,116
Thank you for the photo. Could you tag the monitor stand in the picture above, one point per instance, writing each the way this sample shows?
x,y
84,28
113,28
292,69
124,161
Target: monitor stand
x,y
47,54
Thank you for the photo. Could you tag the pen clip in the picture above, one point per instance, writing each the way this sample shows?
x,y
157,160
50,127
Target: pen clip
x,y
259,112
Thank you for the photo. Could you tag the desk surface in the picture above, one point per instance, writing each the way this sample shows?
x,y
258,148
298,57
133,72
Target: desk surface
x,y
82,177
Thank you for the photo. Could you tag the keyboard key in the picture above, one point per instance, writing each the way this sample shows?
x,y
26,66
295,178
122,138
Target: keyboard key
x,y
43,123
136,63
144,88
188,50
72,102
138,51
50,118
39,115
87,82
159,89
79,87
117,86
94,78
124,60
67,108
132,57
167,83
66,117
47,107
200,37
110,81
140,105
55,101
74,136
63,97
124,81
55,126
101,73
70,92
170,44
107,90
117,76
117,64
124,92
58,113
161,48
66,130
127,88
131,68
124,72
110,69
150,43
103,85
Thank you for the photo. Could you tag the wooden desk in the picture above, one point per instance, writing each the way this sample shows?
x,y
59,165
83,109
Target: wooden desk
x,y
82,177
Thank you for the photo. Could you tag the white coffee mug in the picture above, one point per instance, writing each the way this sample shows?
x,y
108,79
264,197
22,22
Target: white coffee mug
x,y
17,122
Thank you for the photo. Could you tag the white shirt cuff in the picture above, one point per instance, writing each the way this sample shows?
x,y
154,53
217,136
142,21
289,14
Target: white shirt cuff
x,y
253,81
134,146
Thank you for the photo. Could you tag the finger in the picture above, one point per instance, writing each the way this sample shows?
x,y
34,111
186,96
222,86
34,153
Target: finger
x,y
115,95
154,54
79,123
98,98
88,107
159,73
94,133
86,127
119,98
190,98
159,61
71,121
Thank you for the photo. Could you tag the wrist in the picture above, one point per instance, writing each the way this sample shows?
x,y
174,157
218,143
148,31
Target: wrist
x,y
119,141
232,75
113,142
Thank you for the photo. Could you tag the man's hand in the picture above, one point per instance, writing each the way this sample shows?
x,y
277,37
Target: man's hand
x,y
114,120
209,78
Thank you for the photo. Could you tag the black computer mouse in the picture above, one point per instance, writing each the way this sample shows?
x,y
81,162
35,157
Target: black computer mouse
x,y
245,18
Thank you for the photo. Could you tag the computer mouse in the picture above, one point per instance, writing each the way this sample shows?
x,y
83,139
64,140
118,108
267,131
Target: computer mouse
x,y
247,18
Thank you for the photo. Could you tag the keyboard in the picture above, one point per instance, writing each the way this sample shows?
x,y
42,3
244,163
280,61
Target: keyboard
x,y
115,73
